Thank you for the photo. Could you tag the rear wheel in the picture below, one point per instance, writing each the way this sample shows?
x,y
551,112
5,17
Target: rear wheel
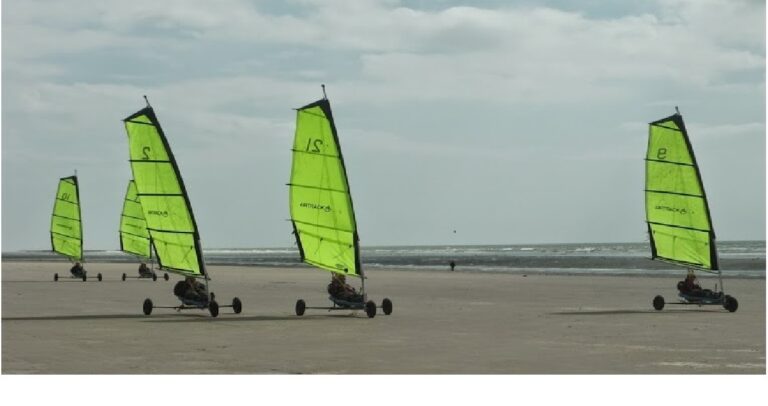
x,y
154,277
730,303
658,302
300,307
213,307
370,309
99,276
237,305
84,277
165,276
147,307
55,277
386,305
124,275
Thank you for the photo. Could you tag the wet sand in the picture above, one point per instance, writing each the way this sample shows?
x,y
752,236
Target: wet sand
x,y
443,323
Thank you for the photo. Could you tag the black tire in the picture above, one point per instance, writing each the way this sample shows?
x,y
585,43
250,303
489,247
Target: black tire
x,y
99,276
124,275
730,303
658,302
166,276
154,277
370,309
300,307
84,277
55,277
147,307
386,305
213,307
237,305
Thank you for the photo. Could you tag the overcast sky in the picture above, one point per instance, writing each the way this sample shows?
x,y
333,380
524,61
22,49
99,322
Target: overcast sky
x,y
510,122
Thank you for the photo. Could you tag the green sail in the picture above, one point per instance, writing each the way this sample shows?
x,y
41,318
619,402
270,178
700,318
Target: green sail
x,y
134,237
320,202
66,226
676,206
164,200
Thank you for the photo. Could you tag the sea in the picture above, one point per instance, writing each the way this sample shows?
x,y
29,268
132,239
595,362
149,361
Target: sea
x,y
737,258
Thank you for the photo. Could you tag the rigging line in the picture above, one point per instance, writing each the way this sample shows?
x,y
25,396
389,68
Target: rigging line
x,y
150,161
139,122
66,236
668,128
673,193
134,235
170,231
681,227
325,239
670,162
67,201
135,218
316,153
65,217
318,188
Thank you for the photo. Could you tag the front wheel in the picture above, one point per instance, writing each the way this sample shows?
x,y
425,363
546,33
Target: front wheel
x,y
658,302
213,307
300,307
55,277
386,305
154,277
84,277
147,307
237,305
730,303
370,309
99,276
124,275
165,276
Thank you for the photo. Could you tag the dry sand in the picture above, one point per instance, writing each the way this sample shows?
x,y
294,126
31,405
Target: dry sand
x,y
443,322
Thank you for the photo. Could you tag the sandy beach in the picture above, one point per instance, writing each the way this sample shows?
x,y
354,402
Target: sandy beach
x,y
442,323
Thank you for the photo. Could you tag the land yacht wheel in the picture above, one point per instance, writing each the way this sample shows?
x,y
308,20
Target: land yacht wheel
x,y
386,305
730,303
84,277
300,307
213,307
124,276
147,307
370,309
166,276
658,302
99,276
55,277
154,277
237,305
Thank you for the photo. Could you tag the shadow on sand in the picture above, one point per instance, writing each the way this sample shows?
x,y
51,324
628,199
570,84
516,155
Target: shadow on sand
x,y
204,317
178,317
75,317
611,312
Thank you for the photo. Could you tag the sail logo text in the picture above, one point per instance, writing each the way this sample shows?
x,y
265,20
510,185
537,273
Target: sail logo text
x,y
672,209
316,206
163,213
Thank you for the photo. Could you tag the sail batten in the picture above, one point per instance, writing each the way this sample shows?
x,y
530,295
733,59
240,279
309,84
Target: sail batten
x,y
165,204
677,212
66,221
320,202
